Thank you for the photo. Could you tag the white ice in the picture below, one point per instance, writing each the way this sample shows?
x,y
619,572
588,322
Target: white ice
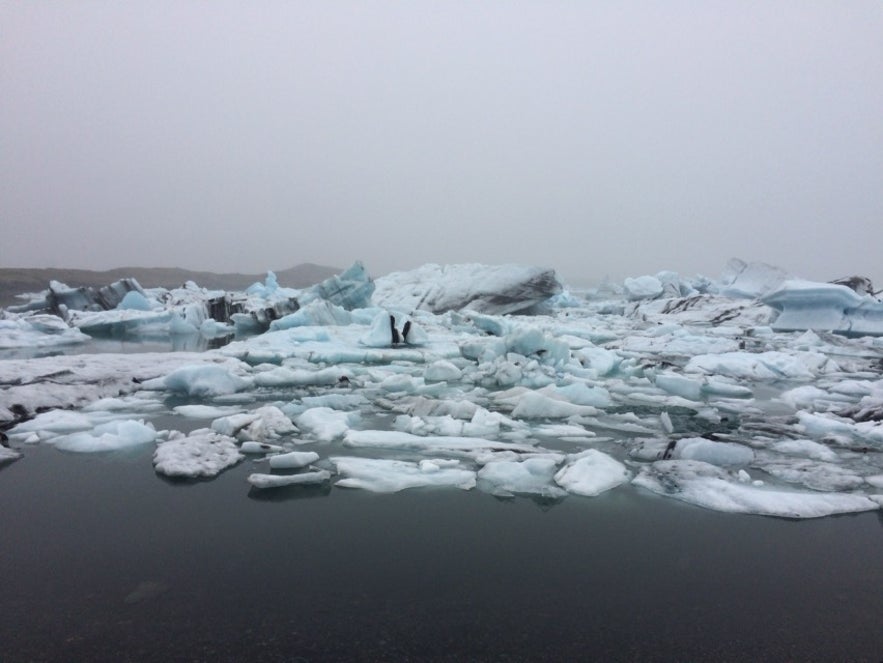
x,y
108,437
279,480
201,453
711,487
591,473
531,476
391,476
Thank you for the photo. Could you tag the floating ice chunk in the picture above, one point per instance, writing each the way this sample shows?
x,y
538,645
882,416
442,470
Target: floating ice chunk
x,y
399,440
326,424
711,487
293,460
591,473
54,422
202,453
280,480
875,480
259,448
642,287
108,437
562,432
442,371
602,362
806,448
204,411
825,306
232,424
37,331
390,476
812,474
698,390
531,476
499,289
535,405
8,455
809,396
825,425
265,423
200,380
579,393
770,365
715,453
298,377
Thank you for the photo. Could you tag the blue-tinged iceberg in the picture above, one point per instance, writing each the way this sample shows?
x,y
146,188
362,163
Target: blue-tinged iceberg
x,y
825,307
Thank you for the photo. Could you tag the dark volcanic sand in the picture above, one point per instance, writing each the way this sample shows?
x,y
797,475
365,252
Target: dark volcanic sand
x,y
101,560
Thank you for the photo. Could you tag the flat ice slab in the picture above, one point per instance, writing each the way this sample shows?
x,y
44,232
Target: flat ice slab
x,y
280,480
391,476
202,453
713,488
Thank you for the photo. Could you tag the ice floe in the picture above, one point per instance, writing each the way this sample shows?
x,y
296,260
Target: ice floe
x,y
201,453
390,476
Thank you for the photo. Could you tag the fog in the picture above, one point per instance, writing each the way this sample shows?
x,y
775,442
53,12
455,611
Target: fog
x,y
596,138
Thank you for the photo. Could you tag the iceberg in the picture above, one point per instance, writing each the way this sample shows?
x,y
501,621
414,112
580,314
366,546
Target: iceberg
x,y
825,306
503,289
591,473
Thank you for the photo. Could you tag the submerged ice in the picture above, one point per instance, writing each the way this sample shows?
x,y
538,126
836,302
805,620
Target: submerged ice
x,y
473,377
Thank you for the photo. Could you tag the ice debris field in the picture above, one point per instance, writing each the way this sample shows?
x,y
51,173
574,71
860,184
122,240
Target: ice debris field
x,y
755,393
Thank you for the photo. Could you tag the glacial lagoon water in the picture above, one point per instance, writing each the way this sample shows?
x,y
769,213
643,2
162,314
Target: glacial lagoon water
x,y
102,560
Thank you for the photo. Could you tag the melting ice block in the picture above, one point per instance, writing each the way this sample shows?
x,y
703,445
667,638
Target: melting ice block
x,y
8,455
108,437
279,480
711,487
529,476
591,473
202,453
37,331
293,460
200,380
391,476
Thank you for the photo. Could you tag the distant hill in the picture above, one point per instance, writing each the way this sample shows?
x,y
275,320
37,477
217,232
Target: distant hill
x,y
17,281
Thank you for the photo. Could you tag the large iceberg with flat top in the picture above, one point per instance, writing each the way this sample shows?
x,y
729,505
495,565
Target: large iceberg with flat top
x,y
497,289
825,307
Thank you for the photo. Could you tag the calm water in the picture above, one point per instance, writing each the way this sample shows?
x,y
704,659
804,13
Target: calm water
x,y
101,560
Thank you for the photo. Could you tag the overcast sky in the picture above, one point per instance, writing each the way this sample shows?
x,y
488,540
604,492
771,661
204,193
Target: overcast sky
x,y
598,138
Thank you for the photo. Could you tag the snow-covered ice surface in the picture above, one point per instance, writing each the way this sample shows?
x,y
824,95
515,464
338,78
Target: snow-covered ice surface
x,y
709,392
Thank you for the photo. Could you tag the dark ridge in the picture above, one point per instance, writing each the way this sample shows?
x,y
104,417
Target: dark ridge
x,y
15,281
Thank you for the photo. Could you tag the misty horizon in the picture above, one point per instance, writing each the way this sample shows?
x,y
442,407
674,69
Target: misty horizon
x,y
600,141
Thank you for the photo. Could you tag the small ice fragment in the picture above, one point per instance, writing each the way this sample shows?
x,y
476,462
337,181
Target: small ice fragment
x,y
293,460
279,480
